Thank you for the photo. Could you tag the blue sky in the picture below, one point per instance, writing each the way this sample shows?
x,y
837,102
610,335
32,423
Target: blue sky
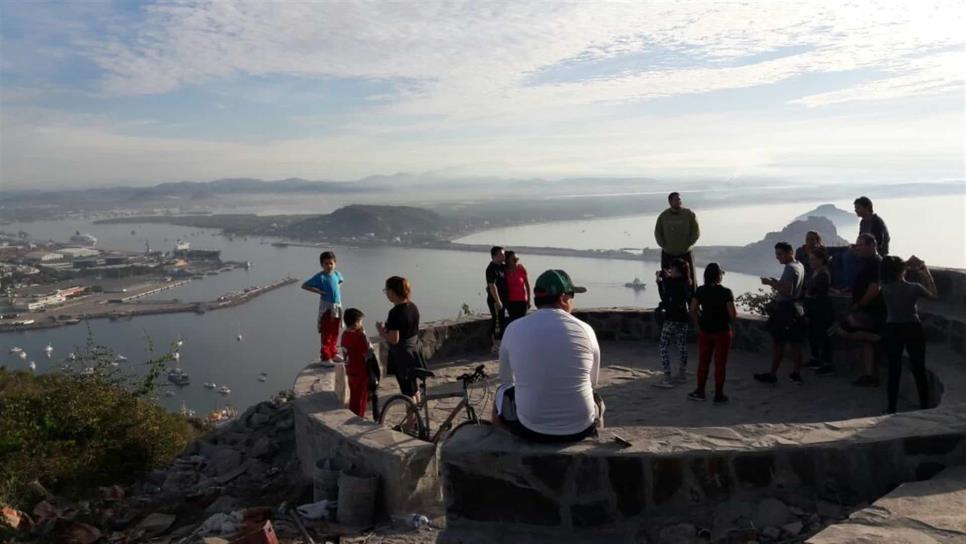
x,y
95,93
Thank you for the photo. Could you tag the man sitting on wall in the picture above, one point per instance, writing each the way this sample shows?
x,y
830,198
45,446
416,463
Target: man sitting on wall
x,y
549,362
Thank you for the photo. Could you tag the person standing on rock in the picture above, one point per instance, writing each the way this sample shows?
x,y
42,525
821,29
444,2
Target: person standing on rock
x,y
328,285
518,288
676,232
872,224
713,309
496,294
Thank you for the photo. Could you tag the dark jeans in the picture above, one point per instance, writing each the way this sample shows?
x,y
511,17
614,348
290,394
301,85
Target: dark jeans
x,y
821,316
688,257
515,310
906,337
497,320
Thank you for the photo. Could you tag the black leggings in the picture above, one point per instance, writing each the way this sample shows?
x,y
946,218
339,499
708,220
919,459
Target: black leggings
x,y
516,309
908,337
497,320
821,316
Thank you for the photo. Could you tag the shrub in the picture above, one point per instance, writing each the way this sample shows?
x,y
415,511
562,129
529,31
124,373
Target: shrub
x,y
755,303
78,429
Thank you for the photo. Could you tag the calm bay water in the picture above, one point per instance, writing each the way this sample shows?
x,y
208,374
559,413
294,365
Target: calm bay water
x,y
278,328
932,227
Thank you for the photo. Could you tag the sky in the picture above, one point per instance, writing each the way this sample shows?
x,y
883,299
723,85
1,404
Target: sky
x,y
134,93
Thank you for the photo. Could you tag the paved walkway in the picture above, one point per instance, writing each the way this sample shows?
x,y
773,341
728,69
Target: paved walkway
x,y
630,371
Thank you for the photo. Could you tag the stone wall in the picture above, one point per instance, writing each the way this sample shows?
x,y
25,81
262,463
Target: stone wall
x,y
498,487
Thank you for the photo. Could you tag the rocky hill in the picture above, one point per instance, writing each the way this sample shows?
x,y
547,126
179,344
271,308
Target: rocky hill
x,y
837,216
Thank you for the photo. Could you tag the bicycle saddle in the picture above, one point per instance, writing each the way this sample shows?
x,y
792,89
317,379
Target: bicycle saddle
x,y
422,373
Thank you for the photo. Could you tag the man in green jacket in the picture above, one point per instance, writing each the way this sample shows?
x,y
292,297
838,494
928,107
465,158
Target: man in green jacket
x,y
676,231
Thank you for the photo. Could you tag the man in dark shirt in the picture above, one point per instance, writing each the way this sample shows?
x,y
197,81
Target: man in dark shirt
x,y
496,293
871,223
867,311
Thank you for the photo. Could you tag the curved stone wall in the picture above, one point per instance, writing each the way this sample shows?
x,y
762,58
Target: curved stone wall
x,y
596,486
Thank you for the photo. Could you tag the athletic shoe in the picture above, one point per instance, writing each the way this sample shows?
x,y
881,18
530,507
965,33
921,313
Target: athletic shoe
x,y
766,377
796,377
825,371
338,359
720,398
697,395
667,382
865,381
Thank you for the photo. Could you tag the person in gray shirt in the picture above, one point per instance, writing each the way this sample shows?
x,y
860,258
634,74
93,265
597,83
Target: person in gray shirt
x,y
903,328
785,316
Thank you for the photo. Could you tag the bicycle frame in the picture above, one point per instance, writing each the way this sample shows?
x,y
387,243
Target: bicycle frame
x,y
446,424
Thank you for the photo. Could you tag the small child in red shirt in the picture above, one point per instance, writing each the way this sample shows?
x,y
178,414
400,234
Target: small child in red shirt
x,y
356,345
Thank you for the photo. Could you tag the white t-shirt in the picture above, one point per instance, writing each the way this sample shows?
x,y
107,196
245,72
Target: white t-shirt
x,y
552,359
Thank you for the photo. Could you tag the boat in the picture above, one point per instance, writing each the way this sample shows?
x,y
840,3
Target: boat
x,y
177,376
263,378
179,342
220,416
89,371
32,365
210,385
16,350
239,337
185,411
248,265
224,390
23,354
169,393
120,358
636,285
177,356
48,350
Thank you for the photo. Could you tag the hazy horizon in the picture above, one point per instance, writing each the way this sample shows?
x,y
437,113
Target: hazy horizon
x,y
136,94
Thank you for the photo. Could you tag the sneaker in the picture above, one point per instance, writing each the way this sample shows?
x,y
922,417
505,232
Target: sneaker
x,y
697,395
681,376
720,398
865,381
338,359
796,377
825,371
813,363
766,377
667,382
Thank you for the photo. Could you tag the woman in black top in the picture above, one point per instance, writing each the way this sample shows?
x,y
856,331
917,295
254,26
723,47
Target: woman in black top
x,y
673,285
400,331
819,311
713,308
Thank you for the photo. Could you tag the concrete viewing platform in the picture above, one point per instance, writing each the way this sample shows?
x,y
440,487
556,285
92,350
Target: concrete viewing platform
x,y
824,446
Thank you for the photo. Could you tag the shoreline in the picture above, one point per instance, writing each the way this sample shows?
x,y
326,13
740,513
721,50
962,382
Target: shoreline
x,y
152,308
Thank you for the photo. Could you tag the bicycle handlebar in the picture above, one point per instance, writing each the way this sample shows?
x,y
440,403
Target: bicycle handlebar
x,y
478,375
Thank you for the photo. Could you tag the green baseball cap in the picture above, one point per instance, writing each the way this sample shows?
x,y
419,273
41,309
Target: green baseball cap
x,y
554,283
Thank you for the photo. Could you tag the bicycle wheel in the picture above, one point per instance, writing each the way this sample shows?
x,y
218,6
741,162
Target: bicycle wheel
x,y
452,431
401,414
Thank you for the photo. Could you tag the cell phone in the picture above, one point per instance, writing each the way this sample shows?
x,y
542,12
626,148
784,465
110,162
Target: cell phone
x,y
622,442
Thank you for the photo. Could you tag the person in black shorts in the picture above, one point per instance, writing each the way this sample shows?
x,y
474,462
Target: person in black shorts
x,y
496,293
785,316
401,332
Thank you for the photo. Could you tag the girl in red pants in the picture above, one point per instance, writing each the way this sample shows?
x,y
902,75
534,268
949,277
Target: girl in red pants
x,y
713,307
356,345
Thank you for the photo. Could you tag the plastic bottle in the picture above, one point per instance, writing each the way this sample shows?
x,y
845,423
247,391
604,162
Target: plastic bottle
x,y
414,521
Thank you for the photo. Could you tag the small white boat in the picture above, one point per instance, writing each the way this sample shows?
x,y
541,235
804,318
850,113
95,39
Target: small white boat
x,y
48,350
72,356
224,390
179,342
239,338
263,378
177,356
115,364
15,350
89,371
32,365
636,285
169,393
23,354
210,385
120,358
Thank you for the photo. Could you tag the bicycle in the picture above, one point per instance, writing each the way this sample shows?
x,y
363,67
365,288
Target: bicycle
x,y
402,414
